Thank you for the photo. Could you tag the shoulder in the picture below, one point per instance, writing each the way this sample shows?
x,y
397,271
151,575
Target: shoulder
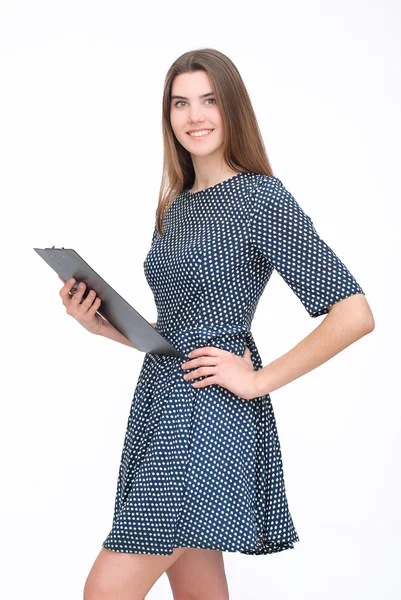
x,y
271,202
266,184
266,191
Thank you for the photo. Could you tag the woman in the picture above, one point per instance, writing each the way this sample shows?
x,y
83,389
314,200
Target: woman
x,y
201,469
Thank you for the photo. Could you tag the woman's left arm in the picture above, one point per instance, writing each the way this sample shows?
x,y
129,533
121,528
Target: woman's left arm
x,y
346,322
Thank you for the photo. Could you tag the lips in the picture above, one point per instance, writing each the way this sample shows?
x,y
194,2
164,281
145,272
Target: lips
x,y
200,133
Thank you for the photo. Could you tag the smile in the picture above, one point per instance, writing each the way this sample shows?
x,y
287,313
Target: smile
x,y
203,133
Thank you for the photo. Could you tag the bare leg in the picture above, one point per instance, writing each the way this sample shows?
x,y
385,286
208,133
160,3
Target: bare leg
x,y
199,575
125,575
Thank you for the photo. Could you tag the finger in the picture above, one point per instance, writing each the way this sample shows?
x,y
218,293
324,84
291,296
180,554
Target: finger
x,y
85,313
206,350
64,292
205,382
77,296
67,284
202,371
94,308
87,303
73,305
211,361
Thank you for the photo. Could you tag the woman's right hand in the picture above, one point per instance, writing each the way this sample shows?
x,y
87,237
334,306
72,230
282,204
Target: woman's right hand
x,y
83,312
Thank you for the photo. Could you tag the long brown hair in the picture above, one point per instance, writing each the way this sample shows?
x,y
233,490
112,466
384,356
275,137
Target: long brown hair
x,y
243,148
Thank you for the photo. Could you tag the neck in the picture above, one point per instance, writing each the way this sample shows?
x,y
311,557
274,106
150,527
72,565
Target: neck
x,y
208,173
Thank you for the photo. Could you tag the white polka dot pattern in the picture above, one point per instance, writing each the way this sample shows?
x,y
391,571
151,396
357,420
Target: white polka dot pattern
x,y
202,467
286,236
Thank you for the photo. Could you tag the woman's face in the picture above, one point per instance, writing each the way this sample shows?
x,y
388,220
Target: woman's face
x,y
190,111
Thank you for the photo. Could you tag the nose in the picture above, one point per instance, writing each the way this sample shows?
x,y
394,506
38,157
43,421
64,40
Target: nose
x,y
195,114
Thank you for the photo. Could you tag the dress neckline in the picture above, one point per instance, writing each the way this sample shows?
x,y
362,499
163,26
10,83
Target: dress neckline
x,y
216,186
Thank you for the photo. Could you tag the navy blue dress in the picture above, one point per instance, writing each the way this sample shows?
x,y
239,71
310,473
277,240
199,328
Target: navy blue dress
x,y
202,467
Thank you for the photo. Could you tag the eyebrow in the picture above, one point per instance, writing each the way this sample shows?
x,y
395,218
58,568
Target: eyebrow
x,y
184,98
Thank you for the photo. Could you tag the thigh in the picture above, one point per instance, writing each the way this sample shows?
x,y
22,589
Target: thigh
x,y
199,574
126,575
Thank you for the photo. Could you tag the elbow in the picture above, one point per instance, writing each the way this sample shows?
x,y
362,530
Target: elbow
x,y
367,318
361,326
366,321
358,327
356,313
369,324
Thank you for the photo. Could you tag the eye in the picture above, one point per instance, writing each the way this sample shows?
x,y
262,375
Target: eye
x,y
183,102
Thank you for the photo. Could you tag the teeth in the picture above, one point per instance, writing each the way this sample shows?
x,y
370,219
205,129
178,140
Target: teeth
x,y
200,133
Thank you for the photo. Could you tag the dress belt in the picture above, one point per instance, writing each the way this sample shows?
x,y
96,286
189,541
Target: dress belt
x,y
234,337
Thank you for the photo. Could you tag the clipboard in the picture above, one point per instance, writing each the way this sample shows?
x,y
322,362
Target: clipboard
x,y
69,264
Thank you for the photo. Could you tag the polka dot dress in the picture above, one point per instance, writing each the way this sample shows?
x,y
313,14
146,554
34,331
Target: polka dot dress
x,y
202,467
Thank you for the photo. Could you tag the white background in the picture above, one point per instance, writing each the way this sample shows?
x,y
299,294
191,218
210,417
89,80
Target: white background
x,y
81,156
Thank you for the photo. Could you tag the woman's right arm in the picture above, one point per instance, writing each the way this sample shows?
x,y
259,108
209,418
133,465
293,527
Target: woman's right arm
x,y
108,330
85,312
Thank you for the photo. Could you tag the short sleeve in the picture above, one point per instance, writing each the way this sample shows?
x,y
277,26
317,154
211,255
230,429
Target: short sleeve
x,y
285,235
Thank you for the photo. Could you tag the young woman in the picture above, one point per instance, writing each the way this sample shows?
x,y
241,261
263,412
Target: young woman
x,y
201,470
